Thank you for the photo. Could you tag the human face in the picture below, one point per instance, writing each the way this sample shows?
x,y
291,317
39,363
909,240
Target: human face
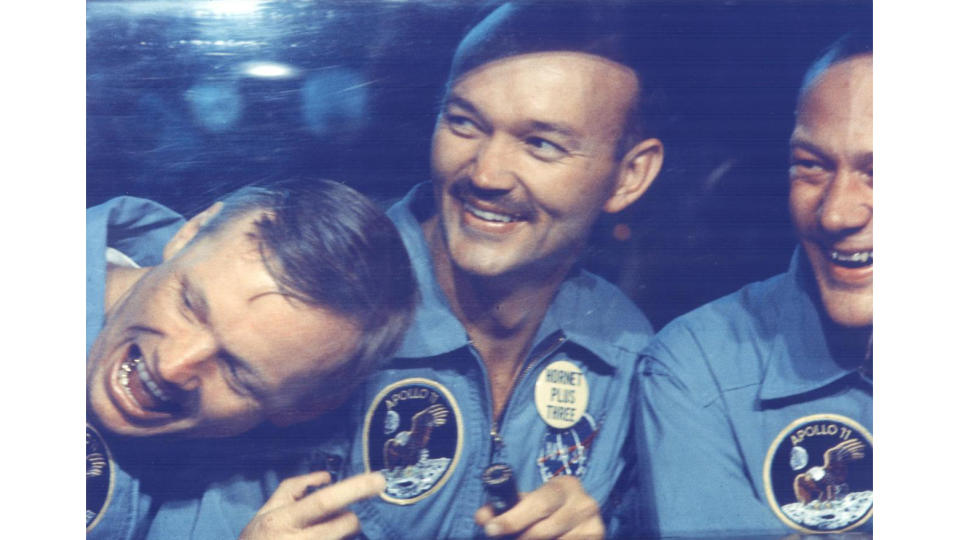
x,y
524,159
204,345
830,194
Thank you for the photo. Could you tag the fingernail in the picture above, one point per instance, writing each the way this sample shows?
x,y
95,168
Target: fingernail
x,y
492,529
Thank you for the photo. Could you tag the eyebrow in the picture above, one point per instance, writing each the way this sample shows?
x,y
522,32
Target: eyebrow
x,y
554,127
454,100
799,143
463,103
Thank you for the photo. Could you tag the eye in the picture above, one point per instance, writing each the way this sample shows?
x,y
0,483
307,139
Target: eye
x,y
235,377
808,164
461,125
807,169
544,149
186,306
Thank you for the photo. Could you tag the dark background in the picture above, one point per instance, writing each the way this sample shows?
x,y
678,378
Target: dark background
x,y
174,114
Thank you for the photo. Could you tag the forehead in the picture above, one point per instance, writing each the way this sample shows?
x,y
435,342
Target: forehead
x,y
553,86
839,102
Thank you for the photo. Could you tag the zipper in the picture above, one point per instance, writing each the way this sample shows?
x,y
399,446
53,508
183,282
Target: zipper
x,y
496,439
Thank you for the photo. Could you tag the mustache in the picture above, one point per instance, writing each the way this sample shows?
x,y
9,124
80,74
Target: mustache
x,y
504,202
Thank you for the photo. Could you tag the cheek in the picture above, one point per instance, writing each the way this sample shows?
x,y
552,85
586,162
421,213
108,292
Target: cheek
x,y
448,154
803,204
571,192
223,411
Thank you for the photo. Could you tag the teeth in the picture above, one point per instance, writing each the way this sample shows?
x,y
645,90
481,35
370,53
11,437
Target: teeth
x,y
135,364
488,216
124,376
148,381
859,258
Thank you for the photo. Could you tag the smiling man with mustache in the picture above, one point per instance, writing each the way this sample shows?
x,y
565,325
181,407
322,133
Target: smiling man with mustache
x,y
541,131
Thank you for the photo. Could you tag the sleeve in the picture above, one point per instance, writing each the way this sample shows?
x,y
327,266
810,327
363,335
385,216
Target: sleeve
x,y
620,510
694,478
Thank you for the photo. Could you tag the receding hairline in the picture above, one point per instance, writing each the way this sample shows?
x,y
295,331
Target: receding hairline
x,y
629,124
814,79
636,76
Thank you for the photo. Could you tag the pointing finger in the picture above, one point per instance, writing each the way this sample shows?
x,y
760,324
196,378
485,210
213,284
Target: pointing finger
x,y
294,488
331,500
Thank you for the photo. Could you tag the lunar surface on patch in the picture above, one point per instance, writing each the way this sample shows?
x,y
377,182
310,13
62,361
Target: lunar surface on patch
x,y
408,482
831,515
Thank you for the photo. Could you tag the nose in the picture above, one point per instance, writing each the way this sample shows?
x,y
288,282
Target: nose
x,y
493,167
182,358
847,203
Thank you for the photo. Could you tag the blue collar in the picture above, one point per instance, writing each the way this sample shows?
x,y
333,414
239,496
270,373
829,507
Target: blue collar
x,y
587,310
800,359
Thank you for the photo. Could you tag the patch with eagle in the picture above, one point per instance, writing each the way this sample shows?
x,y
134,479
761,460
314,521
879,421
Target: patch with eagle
x,y
100,477
566,451
413,434
818,474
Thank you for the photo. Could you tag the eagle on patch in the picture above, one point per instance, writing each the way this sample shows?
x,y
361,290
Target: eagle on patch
x,y
828,482
407,447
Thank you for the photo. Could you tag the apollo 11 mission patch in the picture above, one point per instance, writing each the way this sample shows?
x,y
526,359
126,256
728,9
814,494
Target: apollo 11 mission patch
x,y
413,434
818,474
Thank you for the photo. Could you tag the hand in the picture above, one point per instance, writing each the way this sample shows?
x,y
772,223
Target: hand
x,y
294,512
560,508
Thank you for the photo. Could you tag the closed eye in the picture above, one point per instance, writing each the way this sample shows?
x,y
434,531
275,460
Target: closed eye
x,y
235,377
187,306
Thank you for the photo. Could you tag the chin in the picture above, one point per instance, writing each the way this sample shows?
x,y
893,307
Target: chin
x,y
849,309
479,268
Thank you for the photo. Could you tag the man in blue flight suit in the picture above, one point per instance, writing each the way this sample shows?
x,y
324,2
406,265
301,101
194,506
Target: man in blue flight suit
x,y
243,315
516,355
756,409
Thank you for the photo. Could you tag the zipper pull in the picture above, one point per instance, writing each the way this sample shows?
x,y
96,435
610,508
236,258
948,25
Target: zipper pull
x,y
497,439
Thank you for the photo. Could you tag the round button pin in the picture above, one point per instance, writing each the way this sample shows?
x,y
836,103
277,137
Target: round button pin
x,y
562,393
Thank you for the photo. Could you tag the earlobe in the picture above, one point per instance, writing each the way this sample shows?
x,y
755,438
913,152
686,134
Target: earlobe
x,y
189,230
637,171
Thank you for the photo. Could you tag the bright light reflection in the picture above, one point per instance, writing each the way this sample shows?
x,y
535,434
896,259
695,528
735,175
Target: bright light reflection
x,y
268,70
229,7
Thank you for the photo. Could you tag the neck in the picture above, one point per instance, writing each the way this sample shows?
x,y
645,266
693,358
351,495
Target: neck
x,y
494,306
849,346
501,314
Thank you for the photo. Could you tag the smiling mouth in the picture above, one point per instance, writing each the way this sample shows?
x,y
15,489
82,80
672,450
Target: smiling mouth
x,y
487,215
857,259
140,386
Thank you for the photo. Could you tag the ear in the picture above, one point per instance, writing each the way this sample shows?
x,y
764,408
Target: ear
x,y
636,173
189,230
